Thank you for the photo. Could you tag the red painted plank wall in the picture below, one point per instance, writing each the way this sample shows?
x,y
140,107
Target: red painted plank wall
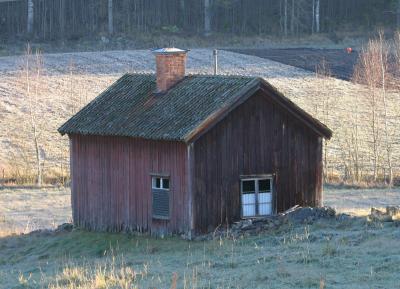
x,y
111,183
258,137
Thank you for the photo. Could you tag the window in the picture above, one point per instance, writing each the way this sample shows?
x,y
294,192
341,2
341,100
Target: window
x,y
160,189
256,197
160,183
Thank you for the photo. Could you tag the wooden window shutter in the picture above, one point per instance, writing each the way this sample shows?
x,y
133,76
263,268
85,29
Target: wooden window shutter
x,y
160,204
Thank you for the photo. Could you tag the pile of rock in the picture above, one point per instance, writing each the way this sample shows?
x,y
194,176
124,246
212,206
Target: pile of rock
x,y
63,228
253,226
309,215
391,214
66,227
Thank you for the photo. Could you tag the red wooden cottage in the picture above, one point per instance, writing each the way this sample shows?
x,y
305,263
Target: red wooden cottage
x,y
173,153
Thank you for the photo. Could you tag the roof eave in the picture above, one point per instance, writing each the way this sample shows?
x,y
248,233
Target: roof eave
x,y
82,133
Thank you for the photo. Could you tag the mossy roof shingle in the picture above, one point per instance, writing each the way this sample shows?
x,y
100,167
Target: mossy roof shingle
x,y
130,107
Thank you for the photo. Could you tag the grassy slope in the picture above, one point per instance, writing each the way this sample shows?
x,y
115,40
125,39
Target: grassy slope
x,y
343,254
61,94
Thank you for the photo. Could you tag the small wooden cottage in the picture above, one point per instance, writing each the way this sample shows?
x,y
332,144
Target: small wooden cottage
x,y
173,153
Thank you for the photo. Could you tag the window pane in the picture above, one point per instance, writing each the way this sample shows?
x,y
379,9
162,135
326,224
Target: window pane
x,y
249,186
165,184
265,209
264,197
158,183
249,210
264,185
248,199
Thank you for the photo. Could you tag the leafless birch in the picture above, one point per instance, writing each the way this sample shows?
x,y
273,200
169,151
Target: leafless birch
x,y
32,102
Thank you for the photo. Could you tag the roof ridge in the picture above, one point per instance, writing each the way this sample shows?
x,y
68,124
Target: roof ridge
x,y
140,73
222,75
205,75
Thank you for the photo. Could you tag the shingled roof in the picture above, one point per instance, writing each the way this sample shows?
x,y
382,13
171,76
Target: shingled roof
x,y
130,107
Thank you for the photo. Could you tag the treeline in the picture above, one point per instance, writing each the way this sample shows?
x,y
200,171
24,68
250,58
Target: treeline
x,y
74,19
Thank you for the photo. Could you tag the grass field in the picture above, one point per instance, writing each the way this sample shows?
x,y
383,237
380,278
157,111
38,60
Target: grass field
x,y
25,210
343,253
348,254
70,80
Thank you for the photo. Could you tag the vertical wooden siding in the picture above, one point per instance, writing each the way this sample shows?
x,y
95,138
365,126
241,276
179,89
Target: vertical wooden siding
x,y
111,183
258,137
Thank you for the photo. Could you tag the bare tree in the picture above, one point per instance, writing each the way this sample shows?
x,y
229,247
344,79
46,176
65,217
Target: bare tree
x,y
396,50
373,70
110,18
398,14
182,14
384,58
32,101
323,72
366,72
292,18
396,70
76,104
313,17
352,141
30,17
207,17
285,21
64,19
317,13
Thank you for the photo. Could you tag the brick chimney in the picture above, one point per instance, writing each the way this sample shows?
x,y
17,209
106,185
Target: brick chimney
x,y
170,64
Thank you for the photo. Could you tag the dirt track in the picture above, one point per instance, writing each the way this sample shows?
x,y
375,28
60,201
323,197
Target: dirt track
x,y
339,61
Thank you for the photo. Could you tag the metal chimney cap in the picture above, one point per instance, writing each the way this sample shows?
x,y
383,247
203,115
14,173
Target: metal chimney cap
x,y
169,50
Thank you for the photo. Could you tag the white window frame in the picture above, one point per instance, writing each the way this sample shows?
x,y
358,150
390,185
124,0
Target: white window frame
x,y
162,178
257,191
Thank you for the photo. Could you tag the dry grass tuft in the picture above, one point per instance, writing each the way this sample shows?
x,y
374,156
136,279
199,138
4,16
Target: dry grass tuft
x,y
101,277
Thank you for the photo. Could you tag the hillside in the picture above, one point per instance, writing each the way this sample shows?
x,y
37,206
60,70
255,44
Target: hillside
x,y
69,81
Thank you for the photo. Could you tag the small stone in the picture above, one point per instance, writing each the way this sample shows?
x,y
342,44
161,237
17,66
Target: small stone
x,y
380,216
393,211
343,217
